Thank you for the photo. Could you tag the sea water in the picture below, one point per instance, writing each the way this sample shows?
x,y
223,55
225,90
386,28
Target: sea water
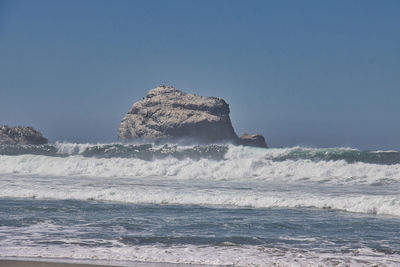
x,y
215,204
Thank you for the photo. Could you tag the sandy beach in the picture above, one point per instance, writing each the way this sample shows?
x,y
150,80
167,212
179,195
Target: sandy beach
x,y
23,263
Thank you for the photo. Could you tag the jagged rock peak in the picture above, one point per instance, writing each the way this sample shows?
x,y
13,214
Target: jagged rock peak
x,y
21,135
162,90
174,98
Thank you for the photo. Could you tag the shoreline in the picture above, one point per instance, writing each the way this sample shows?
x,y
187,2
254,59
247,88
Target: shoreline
x,y
33,262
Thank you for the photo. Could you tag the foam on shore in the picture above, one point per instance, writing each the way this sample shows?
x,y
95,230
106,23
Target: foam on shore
x,y
203,256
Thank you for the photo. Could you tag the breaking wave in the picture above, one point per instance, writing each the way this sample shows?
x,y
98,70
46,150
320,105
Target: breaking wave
x,y
136,173
215,152
215,162
356,203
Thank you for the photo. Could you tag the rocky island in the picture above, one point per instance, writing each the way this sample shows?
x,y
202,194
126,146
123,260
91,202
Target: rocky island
x,y
21,135
167,113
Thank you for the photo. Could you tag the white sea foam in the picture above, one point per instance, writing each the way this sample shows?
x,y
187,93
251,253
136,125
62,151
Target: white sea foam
x,y
246,177
185,193
116,179
47,239
239,164
210,255
72,148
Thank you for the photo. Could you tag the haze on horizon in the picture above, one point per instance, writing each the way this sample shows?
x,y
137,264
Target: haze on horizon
x,y
312,73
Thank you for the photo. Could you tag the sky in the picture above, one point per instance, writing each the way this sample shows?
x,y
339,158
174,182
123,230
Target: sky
x,y
310,73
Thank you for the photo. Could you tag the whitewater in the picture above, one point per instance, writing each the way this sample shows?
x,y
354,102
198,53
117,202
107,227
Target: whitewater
x,y
201,204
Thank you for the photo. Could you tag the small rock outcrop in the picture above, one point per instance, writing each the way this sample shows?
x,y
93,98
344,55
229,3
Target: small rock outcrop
x,y
168,113
20,135
255,140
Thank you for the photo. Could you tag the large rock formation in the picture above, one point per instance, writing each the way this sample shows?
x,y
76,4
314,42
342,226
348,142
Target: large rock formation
x,y
168,113
20,135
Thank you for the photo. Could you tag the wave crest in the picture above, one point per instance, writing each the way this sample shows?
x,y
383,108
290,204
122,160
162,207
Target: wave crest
x,y
214,152
237,163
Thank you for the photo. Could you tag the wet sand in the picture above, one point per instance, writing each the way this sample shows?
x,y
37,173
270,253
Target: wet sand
x,y
49,263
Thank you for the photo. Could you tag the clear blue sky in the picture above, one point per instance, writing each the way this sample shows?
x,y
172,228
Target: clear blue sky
x,y
317,73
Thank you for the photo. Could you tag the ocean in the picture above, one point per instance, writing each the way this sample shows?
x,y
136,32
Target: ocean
x,y
213,205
